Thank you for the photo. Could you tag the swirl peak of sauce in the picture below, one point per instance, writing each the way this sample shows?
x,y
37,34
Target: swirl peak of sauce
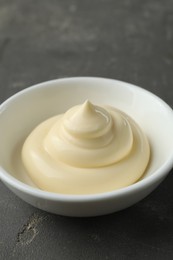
x,y
86,121
89,149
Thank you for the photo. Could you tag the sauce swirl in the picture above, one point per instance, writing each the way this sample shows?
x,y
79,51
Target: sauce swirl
x,y
89,149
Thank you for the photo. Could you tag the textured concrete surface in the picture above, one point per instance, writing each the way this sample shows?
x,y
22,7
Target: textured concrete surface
x,y
128,40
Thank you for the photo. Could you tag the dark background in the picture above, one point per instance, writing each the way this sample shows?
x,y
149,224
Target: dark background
x,y
130,40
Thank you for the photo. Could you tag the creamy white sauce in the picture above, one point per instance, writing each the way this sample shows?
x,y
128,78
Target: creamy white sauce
x,y
87,150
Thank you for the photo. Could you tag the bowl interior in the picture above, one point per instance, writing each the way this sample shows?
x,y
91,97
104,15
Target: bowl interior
x,y
20,114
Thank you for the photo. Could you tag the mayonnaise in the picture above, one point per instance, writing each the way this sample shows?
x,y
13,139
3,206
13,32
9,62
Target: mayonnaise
x,y
87,150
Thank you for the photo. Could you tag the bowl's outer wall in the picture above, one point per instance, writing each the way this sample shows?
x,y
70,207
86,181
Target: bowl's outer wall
x,y
88,208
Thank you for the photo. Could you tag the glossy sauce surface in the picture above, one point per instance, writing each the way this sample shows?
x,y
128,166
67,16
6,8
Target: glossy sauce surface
x,y
89,149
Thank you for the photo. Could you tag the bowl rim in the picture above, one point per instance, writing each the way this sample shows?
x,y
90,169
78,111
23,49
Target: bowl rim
x,y
157,175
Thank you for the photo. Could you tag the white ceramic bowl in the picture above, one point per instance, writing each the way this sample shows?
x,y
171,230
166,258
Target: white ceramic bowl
x,y
25,110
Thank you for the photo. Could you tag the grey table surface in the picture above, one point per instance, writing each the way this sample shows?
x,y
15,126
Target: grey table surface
x,y
127,40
